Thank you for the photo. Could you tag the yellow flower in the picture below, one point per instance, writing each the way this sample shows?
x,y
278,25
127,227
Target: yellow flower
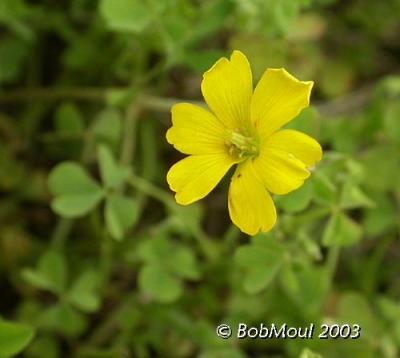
x,y
243,128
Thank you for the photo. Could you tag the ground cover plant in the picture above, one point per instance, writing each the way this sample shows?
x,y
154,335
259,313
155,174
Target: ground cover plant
x,y
97,259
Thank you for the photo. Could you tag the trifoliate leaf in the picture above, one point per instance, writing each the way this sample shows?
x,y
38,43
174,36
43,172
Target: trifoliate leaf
x,y
76,193
159,284
51,273
260,260
64,319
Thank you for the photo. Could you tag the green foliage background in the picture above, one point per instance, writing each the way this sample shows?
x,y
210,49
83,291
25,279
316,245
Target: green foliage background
x,y
97,260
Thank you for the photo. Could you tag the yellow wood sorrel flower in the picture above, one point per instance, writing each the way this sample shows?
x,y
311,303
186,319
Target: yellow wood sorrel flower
x,y
243,128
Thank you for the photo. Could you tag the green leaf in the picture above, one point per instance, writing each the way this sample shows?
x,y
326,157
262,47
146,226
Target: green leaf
x,y
261,261
353,197
12,55
175,258
307,353
182,262
323,188
121,213
64,319
341,231
68,119
353,308
159,284
391,120
152,250
381,218
222,352
125,15
14,337
112,174
51,273
381,166
107,126
306,285
336,79
76,193
187,219
83,294
298,200
307,121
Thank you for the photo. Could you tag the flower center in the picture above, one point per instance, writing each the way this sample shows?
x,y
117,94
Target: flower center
x,y
242,145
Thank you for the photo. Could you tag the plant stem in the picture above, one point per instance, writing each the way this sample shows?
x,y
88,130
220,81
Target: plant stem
x,y
128,143
65,225
155,192
151,190
54,93
61,232
331,262
230,237
161,104
347,104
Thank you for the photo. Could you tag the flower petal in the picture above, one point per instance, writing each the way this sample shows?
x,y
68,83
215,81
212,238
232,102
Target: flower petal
x,y
277,99
195,130
302,146
250,205
280,171
227,88
195,176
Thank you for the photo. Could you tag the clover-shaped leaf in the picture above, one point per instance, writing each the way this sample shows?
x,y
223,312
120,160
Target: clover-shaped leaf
x,y
125,15
50,274
83,293
155,281
261,261
107,126
63,318
120,214
353,197
323,188
75,192
166,265
112,174
68,119
341,231
298,200
305,284
14,337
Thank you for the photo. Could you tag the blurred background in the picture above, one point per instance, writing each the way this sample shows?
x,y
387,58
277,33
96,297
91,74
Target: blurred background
x,y
97,260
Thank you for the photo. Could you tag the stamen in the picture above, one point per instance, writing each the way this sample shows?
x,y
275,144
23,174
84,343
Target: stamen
x,y
242,146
